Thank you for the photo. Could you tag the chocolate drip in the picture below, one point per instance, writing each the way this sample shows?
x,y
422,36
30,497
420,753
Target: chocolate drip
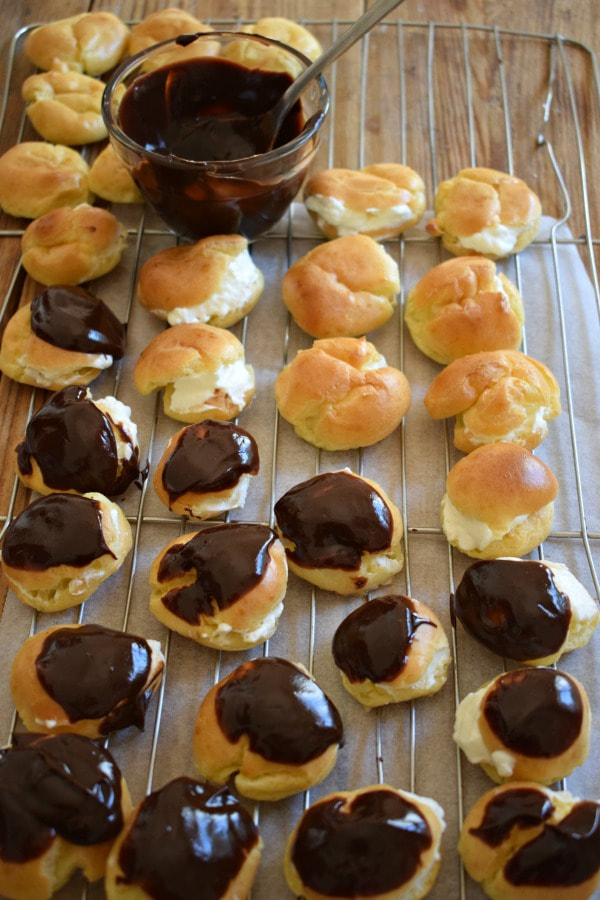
x,y
94,672
229,560
371,846
513,608
208,457
72,318
60,529
184,836
563,855
332,520
535,712
524,807
74,445
374,641
284,713
53,785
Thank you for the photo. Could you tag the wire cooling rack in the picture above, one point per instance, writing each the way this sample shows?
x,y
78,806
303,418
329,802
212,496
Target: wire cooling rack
x,y
437,97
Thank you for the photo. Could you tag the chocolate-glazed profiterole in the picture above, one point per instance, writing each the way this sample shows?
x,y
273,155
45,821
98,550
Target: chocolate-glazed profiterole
x,y
86,679
523,840
62,804
74,443
527,724
341,532
524,609
72,318
206,468
222,586
391,648
212,842
272,725
374,842
61,547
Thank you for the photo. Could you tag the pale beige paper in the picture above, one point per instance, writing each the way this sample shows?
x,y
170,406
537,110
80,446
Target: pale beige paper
x,y
309,620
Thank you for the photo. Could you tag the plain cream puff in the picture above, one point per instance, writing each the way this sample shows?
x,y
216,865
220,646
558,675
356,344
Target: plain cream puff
x,y
91,42
37,177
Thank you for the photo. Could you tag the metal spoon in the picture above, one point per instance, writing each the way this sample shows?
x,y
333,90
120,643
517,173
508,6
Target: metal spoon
x,y
268,124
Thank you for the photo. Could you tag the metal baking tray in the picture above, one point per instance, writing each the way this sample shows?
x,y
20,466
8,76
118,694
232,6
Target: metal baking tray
x,y
437,97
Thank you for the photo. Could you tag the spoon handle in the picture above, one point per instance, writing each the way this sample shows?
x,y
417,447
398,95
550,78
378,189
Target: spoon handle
x,y
363,24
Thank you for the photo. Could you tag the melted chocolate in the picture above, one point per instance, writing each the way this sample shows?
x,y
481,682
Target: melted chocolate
x,y
332,520
60,529
74,445
229,560
53,785
535,712
523,807
209,457
185,835
371,847
374,641
196,110
94,672
563,855
72,318
284,714
513,608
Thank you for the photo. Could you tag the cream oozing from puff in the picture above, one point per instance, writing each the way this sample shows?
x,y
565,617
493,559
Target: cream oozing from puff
x,y
470,533
191,391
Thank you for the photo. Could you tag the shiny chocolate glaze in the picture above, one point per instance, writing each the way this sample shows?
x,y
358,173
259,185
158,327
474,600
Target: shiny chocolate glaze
x,y
208,457
65,785
187,840
94,673
74,445
563,855
332,519
368,846
70,317
229,560
523,807
535,712
284,714
513,607
374,641
190,110
60,529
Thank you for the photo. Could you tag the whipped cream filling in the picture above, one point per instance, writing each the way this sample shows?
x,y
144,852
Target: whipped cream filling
x,y
240,280
235,499
496,240
120,415
193,391
332,211
467,735
47,377
264,630
534,423
469,533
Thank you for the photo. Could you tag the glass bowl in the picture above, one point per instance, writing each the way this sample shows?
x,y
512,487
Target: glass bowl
x,y
176,112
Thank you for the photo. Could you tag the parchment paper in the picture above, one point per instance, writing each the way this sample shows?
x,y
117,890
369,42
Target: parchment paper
x,y
411,465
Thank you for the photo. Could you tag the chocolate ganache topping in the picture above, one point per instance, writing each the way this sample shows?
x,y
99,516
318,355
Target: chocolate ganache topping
x,y
332,519
284,713
524,807
229,560
185,835
74,445
94,672
535,712
374,641
513,607
72,318
60,529
209,456
51,785
367,846
564,854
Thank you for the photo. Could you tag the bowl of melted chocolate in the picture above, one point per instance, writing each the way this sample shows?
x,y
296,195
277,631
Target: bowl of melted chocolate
x,y
184,126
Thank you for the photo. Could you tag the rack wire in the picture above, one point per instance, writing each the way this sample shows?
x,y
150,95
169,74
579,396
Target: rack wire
x,y
410,121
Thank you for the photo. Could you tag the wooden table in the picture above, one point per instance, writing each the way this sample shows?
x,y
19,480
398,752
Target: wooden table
x,y
469,61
